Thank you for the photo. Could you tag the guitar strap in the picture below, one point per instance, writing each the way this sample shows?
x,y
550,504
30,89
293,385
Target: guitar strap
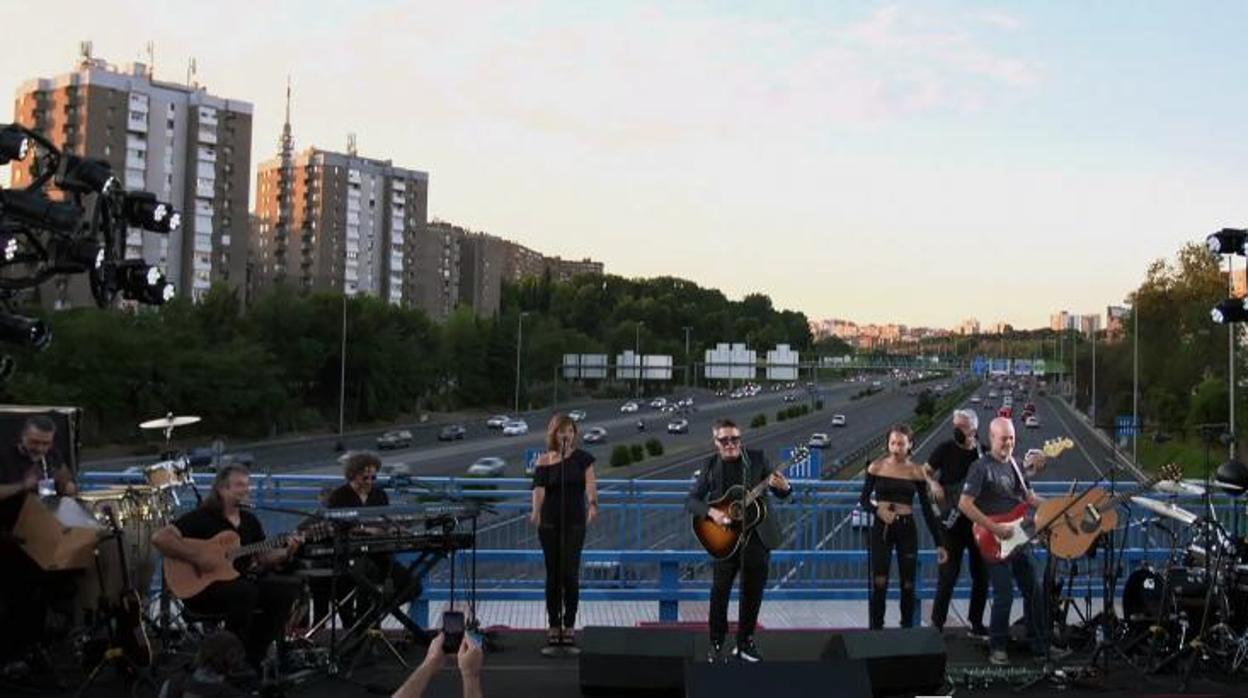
x,y
951,517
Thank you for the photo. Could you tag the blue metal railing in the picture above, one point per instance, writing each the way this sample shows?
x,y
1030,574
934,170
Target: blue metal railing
x,y
641,547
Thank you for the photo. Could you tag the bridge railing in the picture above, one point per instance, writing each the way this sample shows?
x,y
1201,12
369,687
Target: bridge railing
x,y
641,548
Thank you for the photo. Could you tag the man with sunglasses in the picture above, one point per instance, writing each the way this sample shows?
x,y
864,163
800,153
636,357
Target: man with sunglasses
x,y
729,466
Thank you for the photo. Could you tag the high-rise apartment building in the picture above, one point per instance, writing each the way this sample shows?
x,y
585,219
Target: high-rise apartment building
x,y
438,268
482,259
520,262
566,269
338,221
186,146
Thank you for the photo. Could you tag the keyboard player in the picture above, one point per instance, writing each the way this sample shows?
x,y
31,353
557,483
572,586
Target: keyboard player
x,y
360,490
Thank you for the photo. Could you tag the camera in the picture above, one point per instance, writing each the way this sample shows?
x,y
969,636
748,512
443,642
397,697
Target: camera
x,y
452,631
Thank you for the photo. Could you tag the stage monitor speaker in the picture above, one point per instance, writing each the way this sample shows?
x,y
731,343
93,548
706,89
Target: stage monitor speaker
x,y
902,661
65,443
833,678
634,661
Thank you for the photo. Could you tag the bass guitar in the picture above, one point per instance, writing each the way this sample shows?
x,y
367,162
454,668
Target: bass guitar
x,y
1081,520
217,556
745,508
1022,529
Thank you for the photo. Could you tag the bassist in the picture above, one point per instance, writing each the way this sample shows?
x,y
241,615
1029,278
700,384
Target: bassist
x,y
727,468
256,606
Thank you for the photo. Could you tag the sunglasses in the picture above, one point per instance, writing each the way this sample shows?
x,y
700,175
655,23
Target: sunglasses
x,y
726,440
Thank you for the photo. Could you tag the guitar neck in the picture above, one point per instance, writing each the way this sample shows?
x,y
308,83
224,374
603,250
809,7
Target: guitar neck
x,y
1124,496
757,491
256,548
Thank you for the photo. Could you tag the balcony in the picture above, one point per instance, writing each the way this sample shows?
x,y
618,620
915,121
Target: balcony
x,y
207,135
137,123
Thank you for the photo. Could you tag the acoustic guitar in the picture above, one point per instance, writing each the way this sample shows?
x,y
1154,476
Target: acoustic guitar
x,y
1022,530
745,508
1081,520
127,621
185,580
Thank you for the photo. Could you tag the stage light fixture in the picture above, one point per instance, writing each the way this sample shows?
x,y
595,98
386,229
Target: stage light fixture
x,y
142,210
8,247
14,145
30,332
1227,241
139,281
86,176
84,254
1230,310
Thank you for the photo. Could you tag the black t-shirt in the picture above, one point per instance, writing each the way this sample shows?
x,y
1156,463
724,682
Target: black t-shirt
x,y
204,523
15,463
951,462
995,486
345,498
569,472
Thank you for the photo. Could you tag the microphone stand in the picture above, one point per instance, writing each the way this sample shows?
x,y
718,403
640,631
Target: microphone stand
x,y
745,537
561,649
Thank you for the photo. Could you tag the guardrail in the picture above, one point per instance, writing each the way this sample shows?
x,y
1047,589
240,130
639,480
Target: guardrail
x,y
641,549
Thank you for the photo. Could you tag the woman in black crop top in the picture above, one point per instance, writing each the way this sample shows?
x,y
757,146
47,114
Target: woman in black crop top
x,y
895,480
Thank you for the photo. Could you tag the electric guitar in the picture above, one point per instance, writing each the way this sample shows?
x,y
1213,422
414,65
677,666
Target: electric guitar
x,y
127,619
185,579
746,509
1022,529
1081,520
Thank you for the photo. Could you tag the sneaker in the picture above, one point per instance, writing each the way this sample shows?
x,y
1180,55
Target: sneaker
x,y
977,632
747,651
1055,654
998,658
715,651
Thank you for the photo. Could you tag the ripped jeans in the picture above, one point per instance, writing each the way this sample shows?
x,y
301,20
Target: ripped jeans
x,y
904,536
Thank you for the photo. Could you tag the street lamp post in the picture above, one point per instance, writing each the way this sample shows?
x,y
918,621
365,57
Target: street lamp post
x,y
342,369
637,356
519,339
1135,381
688,365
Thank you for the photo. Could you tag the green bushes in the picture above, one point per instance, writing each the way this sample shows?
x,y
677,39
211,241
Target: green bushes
x,y
760,420
621,456
654,447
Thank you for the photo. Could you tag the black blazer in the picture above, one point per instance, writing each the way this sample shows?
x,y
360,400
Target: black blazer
x,y
709,485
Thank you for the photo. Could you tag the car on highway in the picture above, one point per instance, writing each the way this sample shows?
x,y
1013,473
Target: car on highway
x,y
1032,422
678,426
790,397
629,406
497,421
685,402
399,438
516,427
488,466
577,416
819,440
595,435
975,399
396,469
452,432
658,403
838,420
1007,412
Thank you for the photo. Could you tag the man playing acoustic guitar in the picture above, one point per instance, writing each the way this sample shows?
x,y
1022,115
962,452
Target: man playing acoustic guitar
x,y
238,598
723,470
996,486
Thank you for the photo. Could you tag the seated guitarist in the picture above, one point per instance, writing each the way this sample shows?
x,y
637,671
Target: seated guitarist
x,y
256,605
996,485
723,470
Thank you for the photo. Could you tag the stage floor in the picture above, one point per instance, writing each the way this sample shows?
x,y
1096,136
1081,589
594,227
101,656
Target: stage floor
x,y
520,670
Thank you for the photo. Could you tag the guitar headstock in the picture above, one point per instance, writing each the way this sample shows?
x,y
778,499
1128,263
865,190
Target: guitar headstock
x,y
1055,447
801,454
1170,471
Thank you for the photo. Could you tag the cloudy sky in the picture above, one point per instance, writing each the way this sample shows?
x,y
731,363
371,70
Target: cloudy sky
x,y
916,162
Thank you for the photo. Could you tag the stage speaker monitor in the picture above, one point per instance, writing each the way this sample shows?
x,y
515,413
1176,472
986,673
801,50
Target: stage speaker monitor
x,y
634,661
901,661
833,678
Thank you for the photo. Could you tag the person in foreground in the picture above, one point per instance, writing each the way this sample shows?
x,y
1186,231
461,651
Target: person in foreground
x,y
470,659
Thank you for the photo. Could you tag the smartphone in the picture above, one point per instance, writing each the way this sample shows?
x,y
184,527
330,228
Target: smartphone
x,y
476,636
452,631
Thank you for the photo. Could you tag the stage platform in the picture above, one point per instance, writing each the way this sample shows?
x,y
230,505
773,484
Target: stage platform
x,y
518,669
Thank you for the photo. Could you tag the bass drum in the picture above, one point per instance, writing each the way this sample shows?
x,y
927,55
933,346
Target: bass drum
x,y
130,516
1150,596
1142,596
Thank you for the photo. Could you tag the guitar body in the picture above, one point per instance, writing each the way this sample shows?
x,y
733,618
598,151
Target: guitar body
x,y
130,632
995,549
1075,530
722,541
185,581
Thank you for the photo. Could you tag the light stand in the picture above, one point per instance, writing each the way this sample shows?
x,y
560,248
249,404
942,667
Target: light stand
x,y
562,650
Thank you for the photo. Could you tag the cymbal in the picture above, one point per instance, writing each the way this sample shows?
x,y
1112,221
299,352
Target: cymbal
x,y
1181,487
169,422
1167,509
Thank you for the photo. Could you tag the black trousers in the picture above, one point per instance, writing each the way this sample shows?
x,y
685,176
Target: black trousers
x,y
561,607
255,609
960,538
901,535
23,601
753,579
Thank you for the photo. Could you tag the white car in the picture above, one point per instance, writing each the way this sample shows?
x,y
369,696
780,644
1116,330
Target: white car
x,y
678,426
577,416
658,403
595,435
1032,422
838,420
489,466
498,421
819,440
516,428
629,406
975,399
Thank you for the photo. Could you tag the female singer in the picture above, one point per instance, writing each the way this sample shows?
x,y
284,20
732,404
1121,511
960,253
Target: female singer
x,y
564,474
895,480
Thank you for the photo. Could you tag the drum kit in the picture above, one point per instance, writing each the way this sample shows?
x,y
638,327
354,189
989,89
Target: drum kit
x,y
1195,606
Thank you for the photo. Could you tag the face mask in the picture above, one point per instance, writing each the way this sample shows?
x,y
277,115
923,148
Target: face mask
x,y
958,437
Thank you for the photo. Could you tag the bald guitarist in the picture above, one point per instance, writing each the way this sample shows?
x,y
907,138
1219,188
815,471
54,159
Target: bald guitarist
x,y
251,589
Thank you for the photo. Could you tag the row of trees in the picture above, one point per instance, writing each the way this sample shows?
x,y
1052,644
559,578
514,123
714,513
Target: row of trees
x,y
274,367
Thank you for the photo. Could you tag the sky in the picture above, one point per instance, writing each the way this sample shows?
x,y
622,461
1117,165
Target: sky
x,y
916,162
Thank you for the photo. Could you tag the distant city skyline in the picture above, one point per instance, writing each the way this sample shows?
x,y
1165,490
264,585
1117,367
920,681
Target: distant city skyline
x,y
919,163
